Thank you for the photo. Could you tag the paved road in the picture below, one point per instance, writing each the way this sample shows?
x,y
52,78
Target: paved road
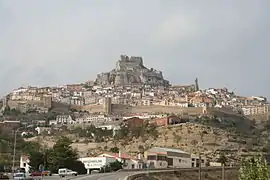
x,y
56,177
105,176
100,176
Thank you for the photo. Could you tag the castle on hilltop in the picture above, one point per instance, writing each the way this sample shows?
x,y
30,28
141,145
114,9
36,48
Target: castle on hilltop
x,y
131,71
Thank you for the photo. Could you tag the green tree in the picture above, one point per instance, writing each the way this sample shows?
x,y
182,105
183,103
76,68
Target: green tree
x,y
36,159
151,129
115,166
222,159
27,146
114,149
141,149
122,132
5,160
62,155
254,168
177,139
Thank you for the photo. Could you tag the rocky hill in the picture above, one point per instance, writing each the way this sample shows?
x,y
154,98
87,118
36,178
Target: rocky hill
x,y
131,71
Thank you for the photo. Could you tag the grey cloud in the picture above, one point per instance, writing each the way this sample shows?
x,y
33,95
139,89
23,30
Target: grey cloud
x,y
223,43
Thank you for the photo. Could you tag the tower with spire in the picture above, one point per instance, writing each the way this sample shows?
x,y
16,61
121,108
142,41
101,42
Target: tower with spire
x,y
197,85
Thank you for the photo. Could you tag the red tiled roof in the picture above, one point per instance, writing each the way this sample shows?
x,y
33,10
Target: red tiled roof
x,y
116,155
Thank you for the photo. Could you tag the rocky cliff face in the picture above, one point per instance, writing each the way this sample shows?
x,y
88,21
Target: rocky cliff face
x,y
131,71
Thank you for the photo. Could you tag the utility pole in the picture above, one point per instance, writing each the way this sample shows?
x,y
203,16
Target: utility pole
x,y
14,148
14,151
223,171
200,166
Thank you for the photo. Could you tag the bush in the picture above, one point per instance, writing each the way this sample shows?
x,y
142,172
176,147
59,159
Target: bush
x,y
115,166
79,167
254,168
114,149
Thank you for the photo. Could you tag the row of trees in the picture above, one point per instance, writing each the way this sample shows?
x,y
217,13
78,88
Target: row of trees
x,y
61,155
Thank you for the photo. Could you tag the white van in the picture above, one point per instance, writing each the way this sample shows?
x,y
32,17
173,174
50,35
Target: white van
x,y
19,176
66,172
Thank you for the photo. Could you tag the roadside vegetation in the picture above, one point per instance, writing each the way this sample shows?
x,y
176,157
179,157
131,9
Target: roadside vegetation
x,y
255,168
61,155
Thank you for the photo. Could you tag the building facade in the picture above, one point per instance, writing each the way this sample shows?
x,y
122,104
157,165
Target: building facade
x,y
171,158
96,163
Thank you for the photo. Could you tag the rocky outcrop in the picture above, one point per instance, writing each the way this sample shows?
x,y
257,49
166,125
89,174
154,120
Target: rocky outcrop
x,y
131,71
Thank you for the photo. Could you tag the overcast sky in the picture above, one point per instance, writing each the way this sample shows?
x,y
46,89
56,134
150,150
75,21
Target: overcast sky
x,y
225,43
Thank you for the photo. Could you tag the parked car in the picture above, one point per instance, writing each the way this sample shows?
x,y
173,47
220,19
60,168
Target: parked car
x,y
46,173
20,170
3,176
95,171
19,176
66,172
36,173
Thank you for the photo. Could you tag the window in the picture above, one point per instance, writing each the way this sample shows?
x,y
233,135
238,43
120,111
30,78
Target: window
x,y
161,158
132,166
180,160
152,157
170,161
24,164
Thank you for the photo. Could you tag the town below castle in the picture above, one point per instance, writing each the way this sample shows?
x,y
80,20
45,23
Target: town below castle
x,y
131,89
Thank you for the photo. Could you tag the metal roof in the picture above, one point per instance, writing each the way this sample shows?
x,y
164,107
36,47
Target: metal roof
x,y
165,150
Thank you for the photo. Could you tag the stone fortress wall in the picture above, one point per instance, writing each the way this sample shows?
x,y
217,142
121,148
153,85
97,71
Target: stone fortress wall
x,y
129,71
109,108
46,101
122,108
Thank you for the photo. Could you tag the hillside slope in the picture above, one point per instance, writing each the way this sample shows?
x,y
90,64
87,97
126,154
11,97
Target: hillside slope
x,y
236,138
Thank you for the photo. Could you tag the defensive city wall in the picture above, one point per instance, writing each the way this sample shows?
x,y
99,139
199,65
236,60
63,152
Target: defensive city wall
x,y
109,108
122,108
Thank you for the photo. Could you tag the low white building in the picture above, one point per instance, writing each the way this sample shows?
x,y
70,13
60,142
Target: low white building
x,y
62,120
97,119
96,163
158,157
128,161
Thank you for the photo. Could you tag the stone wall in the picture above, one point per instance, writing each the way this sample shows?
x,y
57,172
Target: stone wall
x,y
93,108
223,111
16,104
122,108
207,174
166,109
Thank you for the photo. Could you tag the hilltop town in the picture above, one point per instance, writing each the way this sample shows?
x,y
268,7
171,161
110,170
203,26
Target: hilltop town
x,y
133,88
134,94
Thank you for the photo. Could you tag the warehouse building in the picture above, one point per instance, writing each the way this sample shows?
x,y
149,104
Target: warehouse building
x,y
158,157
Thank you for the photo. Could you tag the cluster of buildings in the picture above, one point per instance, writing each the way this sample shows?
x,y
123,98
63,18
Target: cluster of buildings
x,y
156,157
92,98
131,89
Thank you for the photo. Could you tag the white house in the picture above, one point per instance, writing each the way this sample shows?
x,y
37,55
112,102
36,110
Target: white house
x,y
62,120
24,163
97,118
39,130
128,161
